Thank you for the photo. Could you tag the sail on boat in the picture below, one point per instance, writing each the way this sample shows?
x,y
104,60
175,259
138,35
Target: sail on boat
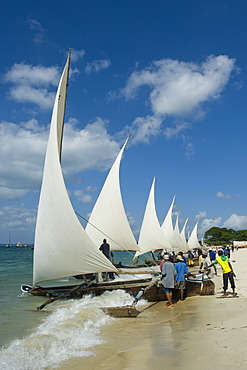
x,y
8,245
108,217
168,229
183,237
181,242
193,242
62,247
151,236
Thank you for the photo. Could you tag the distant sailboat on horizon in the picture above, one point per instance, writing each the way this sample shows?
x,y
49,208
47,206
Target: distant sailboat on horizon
x,y
8,245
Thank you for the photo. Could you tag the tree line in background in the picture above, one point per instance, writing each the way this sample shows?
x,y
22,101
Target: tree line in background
x,y
223,236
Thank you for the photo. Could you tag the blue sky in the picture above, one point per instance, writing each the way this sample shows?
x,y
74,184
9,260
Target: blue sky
x,y
172,73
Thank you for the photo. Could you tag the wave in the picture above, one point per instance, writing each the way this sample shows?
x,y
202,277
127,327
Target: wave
x,y
71,330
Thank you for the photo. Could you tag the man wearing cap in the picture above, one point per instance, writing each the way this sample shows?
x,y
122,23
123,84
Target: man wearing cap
x,y
168,277
182,271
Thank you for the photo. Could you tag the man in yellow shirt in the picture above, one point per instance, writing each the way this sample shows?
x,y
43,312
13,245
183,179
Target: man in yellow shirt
x,y
227,270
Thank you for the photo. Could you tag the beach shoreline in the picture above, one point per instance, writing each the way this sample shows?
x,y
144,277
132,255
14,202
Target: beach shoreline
x,y
201,332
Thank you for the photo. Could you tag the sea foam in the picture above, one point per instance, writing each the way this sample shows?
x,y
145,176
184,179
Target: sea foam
x,y
71,330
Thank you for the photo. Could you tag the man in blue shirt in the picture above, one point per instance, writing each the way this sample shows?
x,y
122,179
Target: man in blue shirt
x,y
182,271
212,256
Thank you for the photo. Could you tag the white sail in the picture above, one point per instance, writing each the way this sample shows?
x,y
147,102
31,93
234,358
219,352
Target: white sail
x,y
151,236
180,242
167,228
183,237
108,218
193,239
62,247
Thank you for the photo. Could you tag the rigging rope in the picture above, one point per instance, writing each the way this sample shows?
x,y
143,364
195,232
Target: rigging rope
x,y
123,248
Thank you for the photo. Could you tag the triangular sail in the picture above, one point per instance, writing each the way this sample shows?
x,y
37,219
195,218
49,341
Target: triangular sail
x,y
193,239
108,218
180,242
167,227
62,247
183,237
151,236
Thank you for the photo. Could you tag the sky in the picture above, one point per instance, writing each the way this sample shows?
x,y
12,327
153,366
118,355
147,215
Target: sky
x,y
171,73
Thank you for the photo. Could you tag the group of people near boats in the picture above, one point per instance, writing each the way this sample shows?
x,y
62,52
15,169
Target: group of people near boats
x,y
174,273
174,276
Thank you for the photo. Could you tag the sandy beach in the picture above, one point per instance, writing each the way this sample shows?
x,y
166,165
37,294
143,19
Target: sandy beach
x,y
200,333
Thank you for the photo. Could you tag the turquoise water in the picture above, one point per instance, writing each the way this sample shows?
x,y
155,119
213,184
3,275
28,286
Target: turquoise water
x,y
15,268
39,340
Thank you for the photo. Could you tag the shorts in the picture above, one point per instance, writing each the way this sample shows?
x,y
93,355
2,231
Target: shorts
x,y
180,285
167,290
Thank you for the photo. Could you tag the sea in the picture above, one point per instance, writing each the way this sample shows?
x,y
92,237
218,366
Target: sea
x,y
31,339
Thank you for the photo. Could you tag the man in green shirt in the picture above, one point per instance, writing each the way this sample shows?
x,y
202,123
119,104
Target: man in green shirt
x,y
227,270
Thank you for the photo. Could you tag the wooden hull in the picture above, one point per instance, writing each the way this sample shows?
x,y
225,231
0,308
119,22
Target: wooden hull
x,y
154,293
122,311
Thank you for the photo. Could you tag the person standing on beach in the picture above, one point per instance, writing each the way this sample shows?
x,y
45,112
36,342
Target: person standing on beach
x,y
168,277
190,258
227,270
212,256
182,271
182,255
200,259
206,264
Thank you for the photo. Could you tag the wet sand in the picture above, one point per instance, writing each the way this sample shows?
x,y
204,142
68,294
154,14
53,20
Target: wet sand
x,y
200,333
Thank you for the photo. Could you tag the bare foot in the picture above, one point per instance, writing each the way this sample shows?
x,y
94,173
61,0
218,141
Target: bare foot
x,y
170,306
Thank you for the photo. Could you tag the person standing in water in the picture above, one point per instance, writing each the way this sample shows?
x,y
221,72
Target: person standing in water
x,y
168,277
182,271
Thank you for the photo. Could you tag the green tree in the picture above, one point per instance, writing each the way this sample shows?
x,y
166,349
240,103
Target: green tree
x,y
219,236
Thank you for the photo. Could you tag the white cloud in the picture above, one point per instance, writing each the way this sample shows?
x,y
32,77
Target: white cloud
x,y
90,148
170,132
207,223
28,94
236,222
179,88
77,54
17,218
39,36
32,83
35,25
8,194
26,74
82,196
200,215
144,127
97,65
224,196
